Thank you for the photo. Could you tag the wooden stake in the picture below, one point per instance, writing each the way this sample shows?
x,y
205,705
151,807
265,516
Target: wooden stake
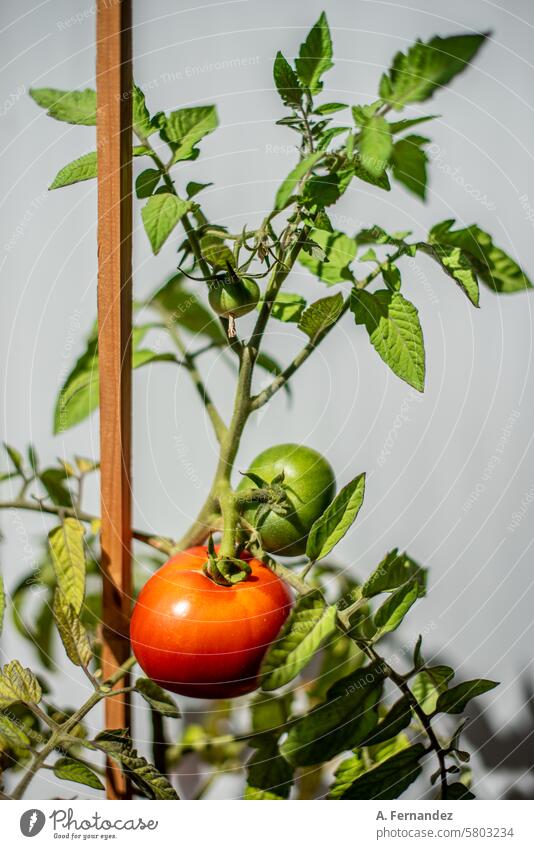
x,y
114,146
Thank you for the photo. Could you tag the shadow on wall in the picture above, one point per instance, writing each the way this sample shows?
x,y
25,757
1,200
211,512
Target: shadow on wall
x,y
509,749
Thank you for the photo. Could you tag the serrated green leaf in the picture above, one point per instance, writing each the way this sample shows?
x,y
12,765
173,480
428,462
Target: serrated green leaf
x,y
287,307
315,56
409,162
13,732
160,215
390,614
375,145
184,128
429,683
143,125
68,558
456,699
458,264
338,517
388,780
144,775
493,266
311,621
328,188
269,776
392,323
73,634
339,250
292,181
83,168
70,769
395,569
347,717
18,684
74,107
320,315
414,76
157,698
286,81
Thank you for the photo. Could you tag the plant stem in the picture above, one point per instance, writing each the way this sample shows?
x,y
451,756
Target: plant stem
x,y
61,733
402,685
161,543
189,362
259,400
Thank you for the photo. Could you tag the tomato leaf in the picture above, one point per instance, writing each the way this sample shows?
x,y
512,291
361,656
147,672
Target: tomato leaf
x,y
118,746
315,56
414,76
160,215
286,81
320,315
409,162
456,699
184,128
395,569
311,621
375,145
493,265
394,330
83,168
287,307
157,698
18,684
390,614
338,517
70,769
74,107
428,685
269,775
396,719
388,780
459,265
73,634
68,558
347,717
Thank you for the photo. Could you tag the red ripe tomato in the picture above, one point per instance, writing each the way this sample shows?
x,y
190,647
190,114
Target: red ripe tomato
x,y
200,639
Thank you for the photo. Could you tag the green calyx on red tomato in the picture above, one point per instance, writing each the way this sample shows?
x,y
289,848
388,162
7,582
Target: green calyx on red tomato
x,y
231,296
309,484
197,638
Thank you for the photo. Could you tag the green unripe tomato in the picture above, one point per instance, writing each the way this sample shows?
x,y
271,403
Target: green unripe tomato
x,y
310,487
233,296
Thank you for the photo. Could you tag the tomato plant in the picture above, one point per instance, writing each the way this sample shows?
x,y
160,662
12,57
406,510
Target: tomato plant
x,y
227,614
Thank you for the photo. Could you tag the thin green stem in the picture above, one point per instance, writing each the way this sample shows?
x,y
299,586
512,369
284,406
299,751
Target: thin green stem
x,y
61,733
161,543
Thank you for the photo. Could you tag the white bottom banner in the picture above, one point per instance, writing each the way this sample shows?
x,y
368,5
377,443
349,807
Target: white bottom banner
x,y
232,825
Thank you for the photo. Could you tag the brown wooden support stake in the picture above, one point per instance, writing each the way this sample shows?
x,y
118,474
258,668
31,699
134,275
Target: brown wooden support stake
x,y
114,146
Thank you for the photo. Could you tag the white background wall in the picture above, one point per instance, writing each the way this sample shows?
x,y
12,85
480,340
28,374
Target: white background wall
x,y
479,610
